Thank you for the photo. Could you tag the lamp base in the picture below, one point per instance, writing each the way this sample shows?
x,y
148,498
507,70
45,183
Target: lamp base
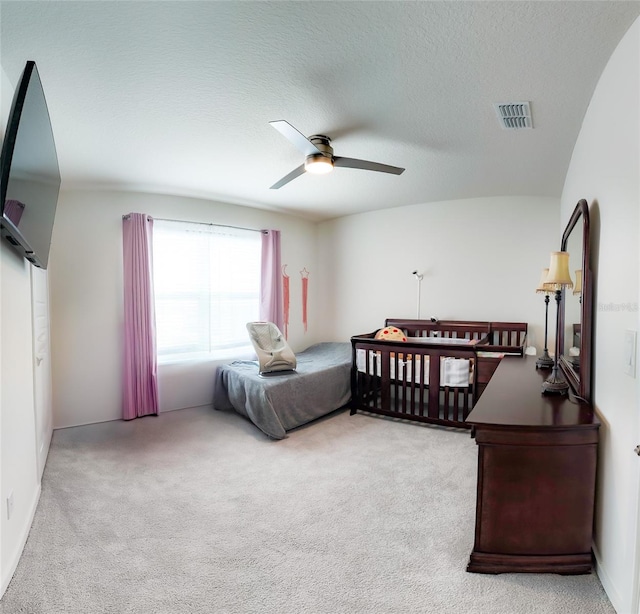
x,y
555,384
545,361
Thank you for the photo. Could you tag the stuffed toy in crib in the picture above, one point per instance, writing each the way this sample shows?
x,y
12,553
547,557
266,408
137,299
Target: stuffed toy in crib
x,y
391,333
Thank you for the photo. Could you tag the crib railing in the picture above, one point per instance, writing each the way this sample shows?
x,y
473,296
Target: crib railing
x,y
414,381
445,330
506,337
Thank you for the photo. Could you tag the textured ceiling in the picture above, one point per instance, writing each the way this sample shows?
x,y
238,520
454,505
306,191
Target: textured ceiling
x,y
175,97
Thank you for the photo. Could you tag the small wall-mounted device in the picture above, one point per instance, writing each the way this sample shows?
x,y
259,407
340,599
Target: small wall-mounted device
x,y
419,277
10,505
630,352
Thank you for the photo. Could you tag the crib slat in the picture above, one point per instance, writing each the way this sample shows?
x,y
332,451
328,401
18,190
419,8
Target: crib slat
x,y
385,380
416,382
434,385
404,383
369,376
424,389
465,405
393,381
446,394
456,403
374,379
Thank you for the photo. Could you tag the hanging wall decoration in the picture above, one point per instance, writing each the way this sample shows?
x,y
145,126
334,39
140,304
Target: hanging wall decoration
x,y
305,292
285,300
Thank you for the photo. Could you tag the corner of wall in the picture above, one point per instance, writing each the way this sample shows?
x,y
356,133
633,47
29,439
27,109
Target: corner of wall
x,y
607,583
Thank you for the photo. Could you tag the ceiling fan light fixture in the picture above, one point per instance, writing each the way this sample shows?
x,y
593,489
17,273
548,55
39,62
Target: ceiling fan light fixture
x,y
319,158
318,164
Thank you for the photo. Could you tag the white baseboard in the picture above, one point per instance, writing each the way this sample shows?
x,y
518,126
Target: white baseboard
x,y
7,573
609,587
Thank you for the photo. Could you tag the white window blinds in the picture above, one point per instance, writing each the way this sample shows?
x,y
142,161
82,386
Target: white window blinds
x,y
206,286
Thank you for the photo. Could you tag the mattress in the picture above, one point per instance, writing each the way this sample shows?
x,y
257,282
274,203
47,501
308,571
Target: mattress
x,y
279,402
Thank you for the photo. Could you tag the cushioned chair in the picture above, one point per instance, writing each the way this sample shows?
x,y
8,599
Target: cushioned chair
x,y
274,353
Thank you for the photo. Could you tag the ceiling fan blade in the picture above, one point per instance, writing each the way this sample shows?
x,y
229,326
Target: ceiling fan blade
x,y
366,165
296,137
296,172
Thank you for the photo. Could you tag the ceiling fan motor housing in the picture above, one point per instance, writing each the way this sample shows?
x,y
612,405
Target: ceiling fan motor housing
x,y
320,163
323,144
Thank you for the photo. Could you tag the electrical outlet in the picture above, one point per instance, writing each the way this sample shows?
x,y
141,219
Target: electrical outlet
x,y
10,505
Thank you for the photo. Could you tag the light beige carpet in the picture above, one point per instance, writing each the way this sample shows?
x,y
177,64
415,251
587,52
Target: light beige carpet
x,y
196,511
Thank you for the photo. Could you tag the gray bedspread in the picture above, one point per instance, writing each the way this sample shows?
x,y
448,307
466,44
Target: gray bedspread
x,y
278,403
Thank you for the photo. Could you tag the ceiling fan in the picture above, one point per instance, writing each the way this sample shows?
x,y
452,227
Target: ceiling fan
x,y
319,155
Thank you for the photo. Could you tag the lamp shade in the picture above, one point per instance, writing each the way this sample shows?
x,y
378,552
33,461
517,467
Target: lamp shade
x,y
577,289
559,276
541,287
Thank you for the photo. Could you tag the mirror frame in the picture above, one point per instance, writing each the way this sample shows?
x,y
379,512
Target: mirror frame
x,y
580,382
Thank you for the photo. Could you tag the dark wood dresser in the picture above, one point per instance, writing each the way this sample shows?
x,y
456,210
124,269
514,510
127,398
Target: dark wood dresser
x,y
537,459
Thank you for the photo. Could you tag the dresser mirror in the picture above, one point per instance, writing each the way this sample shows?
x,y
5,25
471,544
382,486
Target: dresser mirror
x,y
576,306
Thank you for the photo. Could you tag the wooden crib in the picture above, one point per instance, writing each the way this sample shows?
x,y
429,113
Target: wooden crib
x,y
437,375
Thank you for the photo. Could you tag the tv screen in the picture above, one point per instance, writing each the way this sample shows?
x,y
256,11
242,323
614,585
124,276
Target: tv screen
x,y
29,173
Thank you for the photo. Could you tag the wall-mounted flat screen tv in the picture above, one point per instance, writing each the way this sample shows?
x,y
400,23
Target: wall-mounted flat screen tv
x,y
29,172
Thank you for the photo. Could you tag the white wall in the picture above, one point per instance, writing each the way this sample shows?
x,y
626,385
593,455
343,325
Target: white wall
x,y
18,461
481,259
87,303
605,170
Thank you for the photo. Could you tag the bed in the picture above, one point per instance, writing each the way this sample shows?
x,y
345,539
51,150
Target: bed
x,y
280,402
436,375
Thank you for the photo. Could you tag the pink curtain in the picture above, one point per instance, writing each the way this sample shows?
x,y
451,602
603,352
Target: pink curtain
x,y
140,394
271,308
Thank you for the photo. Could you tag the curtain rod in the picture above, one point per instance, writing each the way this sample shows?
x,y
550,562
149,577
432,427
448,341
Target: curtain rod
x,y
164,219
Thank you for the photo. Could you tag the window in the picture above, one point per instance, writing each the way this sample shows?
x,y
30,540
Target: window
x,y
206,286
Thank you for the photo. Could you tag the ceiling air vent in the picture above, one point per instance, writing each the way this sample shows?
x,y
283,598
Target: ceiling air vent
x,y
514,115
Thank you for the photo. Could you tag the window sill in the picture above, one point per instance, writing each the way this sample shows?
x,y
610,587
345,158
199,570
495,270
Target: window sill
x,y
240,353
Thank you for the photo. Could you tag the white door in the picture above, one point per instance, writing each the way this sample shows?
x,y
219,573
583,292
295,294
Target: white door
x,y
41,365
635,605
636,574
